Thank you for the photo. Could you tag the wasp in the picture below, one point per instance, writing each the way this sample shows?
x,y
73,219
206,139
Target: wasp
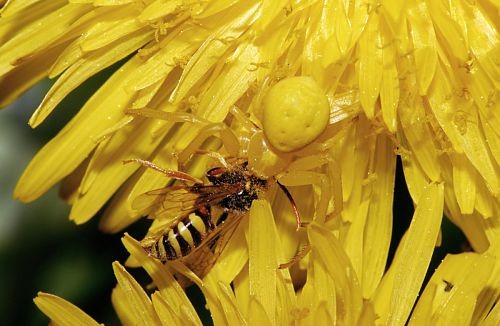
x,y
200,214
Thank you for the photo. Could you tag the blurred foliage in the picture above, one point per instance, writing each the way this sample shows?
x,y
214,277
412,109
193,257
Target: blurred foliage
x,y
41,250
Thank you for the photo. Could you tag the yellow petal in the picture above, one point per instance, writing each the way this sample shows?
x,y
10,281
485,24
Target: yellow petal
x,y
106,171
485,95
12,7
401,284
356,207
263,262
104,33
318,291
444,23
169,290
322,315
24,76
158,9
370,66
142,310
234,257
180,44
456,293
228,303
493,317
257,313
491,135
389,87
119,213
72,145
417,133
472,225
122,306
347,166
270,10
368,316
38,35
61,311
483,39
83,69
241,291
378,225
464,178
422,314
424,41
111,2
286,299
212,49
336,262
165,313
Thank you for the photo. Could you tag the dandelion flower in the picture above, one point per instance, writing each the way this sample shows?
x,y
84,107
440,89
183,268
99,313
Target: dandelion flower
x,y
415,79
261,294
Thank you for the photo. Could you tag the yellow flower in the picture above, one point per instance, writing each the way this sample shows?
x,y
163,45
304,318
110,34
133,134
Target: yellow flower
x,y
261,294
416,79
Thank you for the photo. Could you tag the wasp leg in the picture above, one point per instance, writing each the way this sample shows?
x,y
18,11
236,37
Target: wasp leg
x,y
301,253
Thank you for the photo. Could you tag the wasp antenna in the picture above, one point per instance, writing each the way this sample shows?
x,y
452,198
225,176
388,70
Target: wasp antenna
x,y
294,206
169,173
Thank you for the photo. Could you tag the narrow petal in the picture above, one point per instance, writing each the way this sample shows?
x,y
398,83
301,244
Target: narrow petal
x,y
235,255
453,37
464,183
322,315
228,303
74,143
319,290
24,76
336,262
455,289
103,178
356,207
122,307
389,87
46,30
166,314
370,66
61,311
424,41
417,133
83,69
169,290
257,313
158,9
422,314
263,262
141,307
378,225
212,49
412,259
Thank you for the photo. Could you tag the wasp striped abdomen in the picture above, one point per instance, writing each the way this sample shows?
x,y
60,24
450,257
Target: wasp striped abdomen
x,y
181,239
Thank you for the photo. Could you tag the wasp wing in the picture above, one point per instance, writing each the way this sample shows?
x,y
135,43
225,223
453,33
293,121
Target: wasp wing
x,y
203,258
174,202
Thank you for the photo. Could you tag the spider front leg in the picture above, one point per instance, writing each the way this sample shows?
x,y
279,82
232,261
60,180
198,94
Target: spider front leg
x,y
206,130
169,173
225,134
299,174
